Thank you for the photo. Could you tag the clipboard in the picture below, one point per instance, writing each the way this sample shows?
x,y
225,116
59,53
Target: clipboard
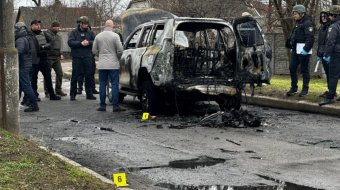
x,y
299,48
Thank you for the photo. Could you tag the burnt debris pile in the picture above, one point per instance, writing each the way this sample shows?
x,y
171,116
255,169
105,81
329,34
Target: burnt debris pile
x,y
233,118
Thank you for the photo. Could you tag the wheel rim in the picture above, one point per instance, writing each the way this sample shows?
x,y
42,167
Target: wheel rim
x,y
145,101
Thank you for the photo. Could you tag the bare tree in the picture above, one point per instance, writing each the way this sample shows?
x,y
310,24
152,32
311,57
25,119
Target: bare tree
x,y
106,9
37,2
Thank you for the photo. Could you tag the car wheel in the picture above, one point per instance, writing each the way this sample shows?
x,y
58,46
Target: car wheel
x,y
149,98
227,103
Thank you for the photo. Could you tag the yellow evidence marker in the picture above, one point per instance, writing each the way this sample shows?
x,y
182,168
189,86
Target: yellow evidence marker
x,y
120,179
145,116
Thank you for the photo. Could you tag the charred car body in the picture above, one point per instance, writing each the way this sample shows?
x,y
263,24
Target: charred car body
x,y
184,60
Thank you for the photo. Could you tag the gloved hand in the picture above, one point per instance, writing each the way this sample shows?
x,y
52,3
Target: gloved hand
x,y
291,50
327,59
318,59
303,52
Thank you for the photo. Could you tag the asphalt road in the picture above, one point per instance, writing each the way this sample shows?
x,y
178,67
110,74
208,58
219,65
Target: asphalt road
x,y
296,149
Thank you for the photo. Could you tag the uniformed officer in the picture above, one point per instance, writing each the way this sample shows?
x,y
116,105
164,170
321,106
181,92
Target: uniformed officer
x,y
80,42
325,23
302,35
54,56
332,53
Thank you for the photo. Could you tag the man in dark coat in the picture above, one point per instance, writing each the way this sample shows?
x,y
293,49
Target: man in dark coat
x,y
42,64
25,52
80,42
325,23
332,54
302,36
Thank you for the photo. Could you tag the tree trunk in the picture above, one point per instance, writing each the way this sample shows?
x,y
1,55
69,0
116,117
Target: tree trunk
x,y
9,83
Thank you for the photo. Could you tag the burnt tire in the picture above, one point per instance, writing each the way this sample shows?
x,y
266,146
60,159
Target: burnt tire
x,y
227,102
150,98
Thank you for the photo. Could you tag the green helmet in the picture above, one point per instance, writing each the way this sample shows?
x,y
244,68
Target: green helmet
x,y
334,10
325,11
84,19
20,24
299,9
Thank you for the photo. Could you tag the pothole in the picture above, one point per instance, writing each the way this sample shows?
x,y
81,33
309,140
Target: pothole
x,y
196,163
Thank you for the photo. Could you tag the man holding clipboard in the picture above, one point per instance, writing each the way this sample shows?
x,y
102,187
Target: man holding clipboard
x,y
301,43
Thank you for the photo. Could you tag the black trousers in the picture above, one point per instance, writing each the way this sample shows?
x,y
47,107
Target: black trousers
x,y
326,68
303,61
44,68
334,74
80,64
81,77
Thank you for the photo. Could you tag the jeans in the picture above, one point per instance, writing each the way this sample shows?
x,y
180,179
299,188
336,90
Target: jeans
x,y
25,85
114,76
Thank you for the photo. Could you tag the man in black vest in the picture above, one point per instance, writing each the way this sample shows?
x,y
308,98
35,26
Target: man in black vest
x,y
302,36
332,54
80,42
42,64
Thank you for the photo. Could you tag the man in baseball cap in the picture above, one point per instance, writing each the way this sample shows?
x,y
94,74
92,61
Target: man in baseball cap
x,y
35,22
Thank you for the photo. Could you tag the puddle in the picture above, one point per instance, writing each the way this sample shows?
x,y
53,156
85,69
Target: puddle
x,y
196,163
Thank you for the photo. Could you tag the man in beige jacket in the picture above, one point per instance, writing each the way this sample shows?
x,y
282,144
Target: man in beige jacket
x,y
108,47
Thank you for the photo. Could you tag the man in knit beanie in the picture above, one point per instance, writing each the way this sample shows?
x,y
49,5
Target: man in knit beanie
x,y
54,56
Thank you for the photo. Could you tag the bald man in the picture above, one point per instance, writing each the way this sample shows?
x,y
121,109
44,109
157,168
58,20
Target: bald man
x,y
108,47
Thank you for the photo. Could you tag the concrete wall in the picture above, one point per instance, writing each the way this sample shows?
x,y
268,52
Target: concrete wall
x,y
280,61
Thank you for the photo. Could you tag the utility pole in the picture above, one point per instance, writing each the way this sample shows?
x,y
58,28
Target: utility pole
x,y
9,70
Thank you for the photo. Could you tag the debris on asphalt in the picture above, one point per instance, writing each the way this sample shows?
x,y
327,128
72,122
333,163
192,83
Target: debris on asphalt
x,y
233,118
105,129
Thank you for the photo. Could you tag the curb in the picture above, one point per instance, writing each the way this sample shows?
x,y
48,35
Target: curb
x,y
291,105
84,169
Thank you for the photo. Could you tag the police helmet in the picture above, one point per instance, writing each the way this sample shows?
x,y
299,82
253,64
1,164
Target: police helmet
x,y
19,26
84,20
299,9
334,10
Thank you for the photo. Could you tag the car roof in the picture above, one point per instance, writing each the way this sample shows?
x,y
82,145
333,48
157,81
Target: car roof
x,y
183,19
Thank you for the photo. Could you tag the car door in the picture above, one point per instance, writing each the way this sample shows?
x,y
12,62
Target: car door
x,y
252,50
131,59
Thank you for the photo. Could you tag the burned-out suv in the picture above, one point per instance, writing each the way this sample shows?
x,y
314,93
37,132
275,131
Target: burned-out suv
x,y
185,60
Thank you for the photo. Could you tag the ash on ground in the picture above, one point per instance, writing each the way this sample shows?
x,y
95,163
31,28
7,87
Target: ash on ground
x,y
232,118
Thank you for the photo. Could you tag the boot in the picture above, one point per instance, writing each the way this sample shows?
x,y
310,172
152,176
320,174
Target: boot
x,y
291,92
90,96
79,91
54,97
61,93
31,109
303,93
73,97
326,101
94,91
